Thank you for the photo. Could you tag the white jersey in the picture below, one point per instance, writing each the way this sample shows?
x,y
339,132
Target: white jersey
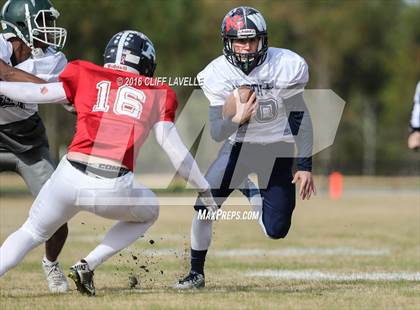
x,y
283,74
47,68
415,114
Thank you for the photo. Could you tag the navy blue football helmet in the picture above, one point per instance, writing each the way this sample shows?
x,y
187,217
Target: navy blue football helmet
x,y
131,51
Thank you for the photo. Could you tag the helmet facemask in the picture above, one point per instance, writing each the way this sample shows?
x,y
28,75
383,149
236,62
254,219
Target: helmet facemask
x,y
246,61
45,30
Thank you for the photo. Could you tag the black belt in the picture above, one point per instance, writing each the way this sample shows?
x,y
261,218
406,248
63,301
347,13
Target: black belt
x,y
110,172
235,143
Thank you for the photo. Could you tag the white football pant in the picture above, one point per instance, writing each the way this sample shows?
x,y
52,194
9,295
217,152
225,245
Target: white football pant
x,y
70,191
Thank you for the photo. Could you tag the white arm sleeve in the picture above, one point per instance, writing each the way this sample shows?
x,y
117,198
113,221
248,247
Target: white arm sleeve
x,y
168,138
34,93
415,113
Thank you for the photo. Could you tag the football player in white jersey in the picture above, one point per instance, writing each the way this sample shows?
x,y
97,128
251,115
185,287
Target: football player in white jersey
x,y
414,137
28,53
262,135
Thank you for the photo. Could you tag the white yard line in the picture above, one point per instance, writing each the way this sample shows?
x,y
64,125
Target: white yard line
x,y
316,275
297,251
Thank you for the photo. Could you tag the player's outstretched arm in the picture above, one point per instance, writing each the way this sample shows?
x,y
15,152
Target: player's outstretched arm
x,y
11,74
34,93
168,138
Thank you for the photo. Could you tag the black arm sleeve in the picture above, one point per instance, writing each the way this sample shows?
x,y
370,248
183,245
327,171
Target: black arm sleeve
x,y
301,126
220,128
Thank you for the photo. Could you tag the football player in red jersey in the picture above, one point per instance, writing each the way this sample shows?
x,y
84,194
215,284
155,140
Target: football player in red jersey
x,y
116,110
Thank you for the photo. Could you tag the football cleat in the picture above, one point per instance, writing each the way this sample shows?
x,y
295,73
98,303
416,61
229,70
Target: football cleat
x,y
82,277
191,281
57,282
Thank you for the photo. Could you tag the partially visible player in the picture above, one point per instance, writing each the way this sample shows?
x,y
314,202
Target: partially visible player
x,y
414,137
116,110
29,42
260,137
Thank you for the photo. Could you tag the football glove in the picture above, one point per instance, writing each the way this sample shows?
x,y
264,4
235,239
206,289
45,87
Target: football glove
x,y
208,201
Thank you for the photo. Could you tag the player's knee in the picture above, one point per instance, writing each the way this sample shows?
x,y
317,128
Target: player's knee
x,y
154,212
35,232
147,211
278,231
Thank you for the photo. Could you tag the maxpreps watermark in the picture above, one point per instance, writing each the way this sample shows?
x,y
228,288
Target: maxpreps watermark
x,y
158,81
229,215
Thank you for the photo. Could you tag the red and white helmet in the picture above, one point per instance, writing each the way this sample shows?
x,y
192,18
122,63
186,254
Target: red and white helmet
x,y
241,23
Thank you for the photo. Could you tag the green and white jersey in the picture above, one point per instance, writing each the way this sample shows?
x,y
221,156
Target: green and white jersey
x,y
21,128
47,68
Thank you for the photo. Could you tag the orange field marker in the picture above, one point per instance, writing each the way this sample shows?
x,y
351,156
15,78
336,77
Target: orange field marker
x,y
335,185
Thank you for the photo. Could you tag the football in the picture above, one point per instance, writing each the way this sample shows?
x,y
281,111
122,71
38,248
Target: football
x,y
229,108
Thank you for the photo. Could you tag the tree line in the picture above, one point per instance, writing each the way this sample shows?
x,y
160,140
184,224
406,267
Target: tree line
x,y
367,51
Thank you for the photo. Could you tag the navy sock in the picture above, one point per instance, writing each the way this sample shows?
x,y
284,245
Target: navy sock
x,y
197,261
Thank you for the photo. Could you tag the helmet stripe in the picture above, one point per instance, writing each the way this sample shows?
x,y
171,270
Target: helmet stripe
x,y
121,46
245,16
3,12
258,21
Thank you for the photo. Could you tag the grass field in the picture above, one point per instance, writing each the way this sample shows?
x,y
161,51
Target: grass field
x,y
360,252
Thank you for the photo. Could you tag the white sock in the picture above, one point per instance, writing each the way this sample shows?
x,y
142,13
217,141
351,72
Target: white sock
x,y
118,237
15,248
201,232
256,202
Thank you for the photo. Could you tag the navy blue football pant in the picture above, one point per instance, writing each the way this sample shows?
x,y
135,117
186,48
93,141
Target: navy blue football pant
x,y
237,160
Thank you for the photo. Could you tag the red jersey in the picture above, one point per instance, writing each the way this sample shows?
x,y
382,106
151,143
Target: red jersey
x,y
115,110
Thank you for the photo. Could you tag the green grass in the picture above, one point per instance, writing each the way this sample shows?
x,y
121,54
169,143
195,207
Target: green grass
x,y
385,221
